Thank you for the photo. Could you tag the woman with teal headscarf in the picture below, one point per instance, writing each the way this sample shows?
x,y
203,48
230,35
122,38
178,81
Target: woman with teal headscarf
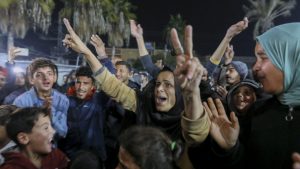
x,y
274,130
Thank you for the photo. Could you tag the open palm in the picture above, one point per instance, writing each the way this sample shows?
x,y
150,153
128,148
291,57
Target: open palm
x,y
223,131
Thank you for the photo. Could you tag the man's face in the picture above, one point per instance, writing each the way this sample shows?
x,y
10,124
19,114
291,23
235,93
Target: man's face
x,y
84,86
122,73
232,76
43,79
2,80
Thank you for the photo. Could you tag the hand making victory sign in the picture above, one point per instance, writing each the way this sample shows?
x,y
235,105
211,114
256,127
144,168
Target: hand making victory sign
x,y
188,72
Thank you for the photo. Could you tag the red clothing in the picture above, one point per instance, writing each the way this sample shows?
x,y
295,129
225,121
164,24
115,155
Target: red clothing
x,y
55,160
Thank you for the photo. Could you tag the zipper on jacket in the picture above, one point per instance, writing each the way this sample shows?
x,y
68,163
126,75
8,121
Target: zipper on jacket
x,y
289,116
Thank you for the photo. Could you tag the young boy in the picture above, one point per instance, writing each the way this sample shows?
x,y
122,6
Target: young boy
x,y
30,128
43,76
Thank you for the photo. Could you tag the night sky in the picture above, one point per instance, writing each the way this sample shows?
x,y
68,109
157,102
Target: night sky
x,y
210,20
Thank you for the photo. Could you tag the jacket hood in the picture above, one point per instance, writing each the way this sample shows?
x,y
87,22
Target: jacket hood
x,y
17,160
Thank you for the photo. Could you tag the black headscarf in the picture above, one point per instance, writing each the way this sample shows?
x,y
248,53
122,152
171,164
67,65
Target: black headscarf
x,y
147,114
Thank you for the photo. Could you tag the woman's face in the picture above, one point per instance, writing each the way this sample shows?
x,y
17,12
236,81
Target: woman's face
x,y
266,73
164,91
126,161
243,98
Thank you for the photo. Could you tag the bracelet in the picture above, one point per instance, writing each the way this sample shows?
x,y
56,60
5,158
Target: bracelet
x,y
225,65
99,71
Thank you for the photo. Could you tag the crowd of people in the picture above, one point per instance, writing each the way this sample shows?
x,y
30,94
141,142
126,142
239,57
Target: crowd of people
x,y
223,114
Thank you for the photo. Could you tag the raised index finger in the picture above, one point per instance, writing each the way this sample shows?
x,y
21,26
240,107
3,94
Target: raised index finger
x,y
68,26
188,38
176,42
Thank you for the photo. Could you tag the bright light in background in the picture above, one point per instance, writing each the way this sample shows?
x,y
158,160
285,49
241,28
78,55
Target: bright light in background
x,y
18,70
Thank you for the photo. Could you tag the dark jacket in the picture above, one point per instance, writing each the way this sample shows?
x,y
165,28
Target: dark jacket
x,y
85,123
271,139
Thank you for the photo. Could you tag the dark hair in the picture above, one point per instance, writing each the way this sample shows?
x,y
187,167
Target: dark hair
x,y
23,120
40,63
125,64
85,71
150,147
159,57
86,159
5,112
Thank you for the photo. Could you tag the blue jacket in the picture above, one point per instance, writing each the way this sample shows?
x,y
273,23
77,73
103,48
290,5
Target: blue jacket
x,y
59,108
85,122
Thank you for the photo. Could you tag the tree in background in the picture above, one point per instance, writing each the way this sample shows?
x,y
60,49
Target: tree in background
x,y
109,17
179,24
17,16
264,12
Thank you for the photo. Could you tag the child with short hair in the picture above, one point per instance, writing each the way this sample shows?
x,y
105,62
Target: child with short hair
x,y
30,128
43,76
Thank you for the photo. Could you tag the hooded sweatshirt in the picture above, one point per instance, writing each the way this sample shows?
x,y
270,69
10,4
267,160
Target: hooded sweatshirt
x,y
15,160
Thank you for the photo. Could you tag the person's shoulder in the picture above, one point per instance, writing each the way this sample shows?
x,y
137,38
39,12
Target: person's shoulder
x,y
133,85
24,99
58,155
14,160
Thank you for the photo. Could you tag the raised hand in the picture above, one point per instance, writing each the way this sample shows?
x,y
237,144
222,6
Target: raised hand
x,y
188,69
97,42
222,91
188,73
224,131
136,30
47,102
13,53
237,28
73,41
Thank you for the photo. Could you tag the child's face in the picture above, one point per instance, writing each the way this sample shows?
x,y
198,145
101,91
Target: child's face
x,y
43,79
41,136
243,98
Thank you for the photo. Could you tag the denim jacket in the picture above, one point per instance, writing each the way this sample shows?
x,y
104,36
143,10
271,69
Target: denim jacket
x,y
59,108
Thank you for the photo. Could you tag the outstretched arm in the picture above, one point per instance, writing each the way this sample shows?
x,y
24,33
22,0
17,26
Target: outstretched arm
x,y
145,58
137,33
232,31
73,41
107,82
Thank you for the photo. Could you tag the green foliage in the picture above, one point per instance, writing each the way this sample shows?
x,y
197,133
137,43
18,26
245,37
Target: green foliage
x,y
179,24
6,3
17,16
100,16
